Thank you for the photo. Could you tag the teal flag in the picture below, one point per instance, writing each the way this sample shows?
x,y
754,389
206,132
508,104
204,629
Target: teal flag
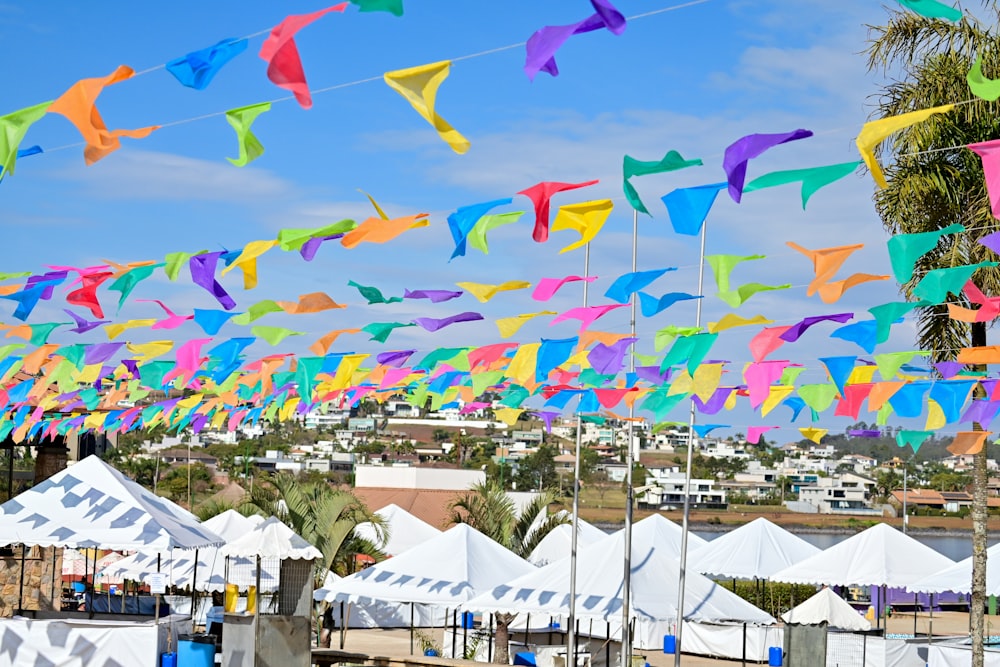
x,y
812,179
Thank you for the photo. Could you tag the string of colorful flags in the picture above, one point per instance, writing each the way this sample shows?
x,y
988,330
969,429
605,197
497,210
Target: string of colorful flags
x,y
50,389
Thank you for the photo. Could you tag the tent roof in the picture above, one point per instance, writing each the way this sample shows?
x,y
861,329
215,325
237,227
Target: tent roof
x,y
829,607
272,539
449,568
879,556
557,544
600,576
958,577
404,530
179,567
753,551
90,504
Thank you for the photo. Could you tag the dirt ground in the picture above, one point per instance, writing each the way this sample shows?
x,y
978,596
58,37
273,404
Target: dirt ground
x,y
396,643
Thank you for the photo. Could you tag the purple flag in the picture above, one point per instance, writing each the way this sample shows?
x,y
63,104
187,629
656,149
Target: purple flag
x,y
310,247
864,433
435,295
547,416
795,331
98,353
948,369
715,402
203,274
652,374
608,359
394,359
82,324
433,323
745,149
543,44
981,412
50,278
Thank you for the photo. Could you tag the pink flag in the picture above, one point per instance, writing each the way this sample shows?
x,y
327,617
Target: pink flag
x,y
284,67
754,433
547,287
989,151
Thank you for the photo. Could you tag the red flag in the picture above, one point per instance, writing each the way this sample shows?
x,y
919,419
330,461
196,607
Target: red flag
x,y
540,195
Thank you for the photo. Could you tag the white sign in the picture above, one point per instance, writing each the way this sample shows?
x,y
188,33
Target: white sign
x,y
157,583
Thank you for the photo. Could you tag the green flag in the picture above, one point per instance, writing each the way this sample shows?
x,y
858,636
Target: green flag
x,y
241,119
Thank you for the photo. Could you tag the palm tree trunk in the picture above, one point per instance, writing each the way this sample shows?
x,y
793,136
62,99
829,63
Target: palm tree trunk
x,y
502,654
980,479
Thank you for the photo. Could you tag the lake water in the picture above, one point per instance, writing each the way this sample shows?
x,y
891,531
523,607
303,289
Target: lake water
x,y
955,548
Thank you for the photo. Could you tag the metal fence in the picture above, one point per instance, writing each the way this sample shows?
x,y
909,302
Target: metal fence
x,y
845,649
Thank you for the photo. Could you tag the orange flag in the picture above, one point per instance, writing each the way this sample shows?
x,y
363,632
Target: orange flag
x,y
321,346
826,262
979,355
376,230
831,292
968,442
314,302
79,105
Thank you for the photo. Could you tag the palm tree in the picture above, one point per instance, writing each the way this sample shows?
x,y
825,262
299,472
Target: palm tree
x,y
324,516
932,182
487,508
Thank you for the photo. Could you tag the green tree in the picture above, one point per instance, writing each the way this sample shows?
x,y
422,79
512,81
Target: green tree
x,y
887,481
487,508
538,470
934,182
322,515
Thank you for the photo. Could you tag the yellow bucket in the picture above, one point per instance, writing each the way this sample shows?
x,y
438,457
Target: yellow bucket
x,y
232,593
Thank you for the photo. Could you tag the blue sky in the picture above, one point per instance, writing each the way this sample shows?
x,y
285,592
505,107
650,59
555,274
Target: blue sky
x,y
693,79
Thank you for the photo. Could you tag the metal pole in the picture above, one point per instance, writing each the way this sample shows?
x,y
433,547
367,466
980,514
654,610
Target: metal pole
x,y
570,635
905,517
629,462
687,472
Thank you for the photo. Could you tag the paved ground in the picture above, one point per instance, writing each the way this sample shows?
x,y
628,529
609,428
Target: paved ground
x,y
396,643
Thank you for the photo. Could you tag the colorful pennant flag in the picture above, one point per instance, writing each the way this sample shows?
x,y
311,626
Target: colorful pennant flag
x,y
13,127
541,196
419,86
672,161
279,51
241,119
744,149
587,218
875,131
542,45
198,68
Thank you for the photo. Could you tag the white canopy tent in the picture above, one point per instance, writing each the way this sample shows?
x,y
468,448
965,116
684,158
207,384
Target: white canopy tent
x,y
91,504
826,606
753,551
557,544
600,578
434,576
958,577
878,556
403,530
271,539
211,571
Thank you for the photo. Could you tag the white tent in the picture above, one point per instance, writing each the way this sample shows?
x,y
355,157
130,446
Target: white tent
x,y
878,556
600,578
827,606
179,566
271,539
753,551
91,504
558,542
453,567
404,530
958,577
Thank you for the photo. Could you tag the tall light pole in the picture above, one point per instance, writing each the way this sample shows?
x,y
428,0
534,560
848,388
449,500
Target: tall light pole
x,y
687,471
627,575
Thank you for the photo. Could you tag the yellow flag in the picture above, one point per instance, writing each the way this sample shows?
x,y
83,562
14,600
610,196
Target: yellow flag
x,y
875,131
485,292
345,371
587,218
935,416
146,351
706,380
508,415
862,375
114,330
509,326
419,85
682,384
730,320
522,366
814,434
779,392
247,261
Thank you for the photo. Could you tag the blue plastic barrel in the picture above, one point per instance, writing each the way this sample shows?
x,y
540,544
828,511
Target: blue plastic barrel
x,y
468,619
669,644
168,660
195,651
774,656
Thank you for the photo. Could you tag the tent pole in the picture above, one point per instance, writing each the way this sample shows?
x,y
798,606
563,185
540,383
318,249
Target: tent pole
x,y
745,643
607,644
194,581
343,625
930,623
465,636
411,627
454,631
551,621
489,646
20,592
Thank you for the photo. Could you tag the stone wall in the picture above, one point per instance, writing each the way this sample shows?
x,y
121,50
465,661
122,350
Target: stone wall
x,y
42,580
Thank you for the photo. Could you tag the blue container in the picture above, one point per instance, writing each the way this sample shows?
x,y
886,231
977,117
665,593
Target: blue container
x,y
168,660
669,644
774,656
430,653
468,619
195,651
